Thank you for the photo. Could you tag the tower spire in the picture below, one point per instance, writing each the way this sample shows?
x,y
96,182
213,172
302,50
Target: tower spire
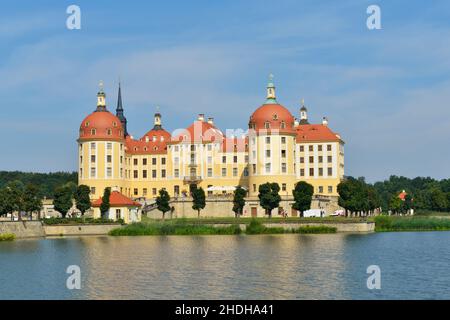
x,y
119,111
101,98
271,97
303,113
157,120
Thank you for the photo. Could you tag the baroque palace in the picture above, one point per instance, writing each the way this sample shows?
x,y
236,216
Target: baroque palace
x,y
277,147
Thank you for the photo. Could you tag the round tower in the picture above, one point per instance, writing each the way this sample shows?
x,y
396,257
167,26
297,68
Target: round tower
x,y
272,137
101,149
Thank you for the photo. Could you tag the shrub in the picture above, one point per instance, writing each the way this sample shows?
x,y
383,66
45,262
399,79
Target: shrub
x,y
7,237
55,221
256,227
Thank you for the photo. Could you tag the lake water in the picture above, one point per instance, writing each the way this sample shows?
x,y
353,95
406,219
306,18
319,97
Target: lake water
x,y
413,266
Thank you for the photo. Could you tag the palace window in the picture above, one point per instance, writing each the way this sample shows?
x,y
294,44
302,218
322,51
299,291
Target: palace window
x,y
93,172
109,158
154,161
302,160
320,159
235,159
311,172
311,148
144,161
109,146
235,172
245,172
224,172
92,145
319,147
320,189
330,159
311,159
330,172
154,191
109,172
283,140
328,147
267,125
283,187
224,159
144,174
302,148
144,192
92,190
176,173
135,162
302,172
209,160
210,172
267,140
268,153
153,173
283,125
163,173
93,158
320,172
330,189
283,153
267,167
163,161
283,167
135,191
135,174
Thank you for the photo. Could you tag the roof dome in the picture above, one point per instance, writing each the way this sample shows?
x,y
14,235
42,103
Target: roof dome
x,y
272,116
101,125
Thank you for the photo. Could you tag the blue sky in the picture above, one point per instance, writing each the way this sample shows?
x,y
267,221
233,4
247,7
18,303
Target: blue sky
x,y
385,91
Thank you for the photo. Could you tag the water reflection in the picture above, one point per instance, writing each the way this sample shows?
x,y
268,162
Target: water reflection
x,y
229,267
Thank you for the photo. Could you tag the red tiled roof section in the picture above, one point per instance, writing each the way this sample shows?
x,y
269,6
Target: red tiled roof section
x,y
144,146
101,125
402,195
275,116
199,131
117,200
315,132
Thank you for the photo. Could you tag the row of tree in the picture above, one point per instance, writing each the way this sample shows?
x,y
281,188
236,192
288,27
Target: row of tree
x,y
47,182
269,198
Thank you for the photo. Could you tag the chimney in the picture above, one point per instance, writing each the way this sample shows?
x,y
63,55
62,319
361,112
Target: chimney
x,y
325,121
201,117
211,121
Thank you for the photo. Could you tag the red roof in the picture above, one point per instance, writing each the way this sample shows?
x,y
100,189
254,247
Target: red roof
x,y
147,146
315,132
402,195
101,125
199,131
117,200
278,118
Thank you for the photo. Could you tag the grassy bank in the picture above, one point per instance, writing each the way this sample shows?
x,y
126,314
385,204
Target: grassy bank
x,y
173,228
185,227
7,237
417,223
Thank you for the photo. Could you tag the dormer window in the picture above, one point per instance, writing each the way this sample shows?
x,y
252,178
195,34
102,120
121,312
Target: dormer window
x,y
267,125
135,149
114,124
283,125
155,148
93,132
109,132
145,148
86,124
275,117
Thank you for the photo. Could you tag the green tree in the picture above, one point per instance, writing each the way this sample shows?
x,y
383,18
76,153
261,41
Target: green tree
x,y
32,201
395,205
438,199
13,198
239,201
82,198
303,194
62,199
3,208
407,204
268,196
198,200
105,205
162,201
